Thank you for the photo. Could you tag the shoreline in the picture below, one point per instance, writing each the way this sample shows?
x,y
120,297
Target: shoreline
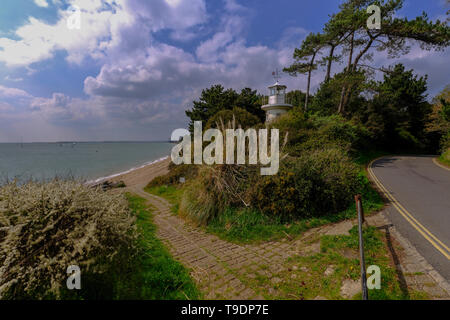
x,y
140,176
123,173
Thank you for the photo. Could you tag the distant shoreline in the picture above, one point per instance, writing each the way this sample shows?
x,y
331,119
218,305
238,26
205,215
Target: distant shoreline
x,y
130,173
76,142
139,177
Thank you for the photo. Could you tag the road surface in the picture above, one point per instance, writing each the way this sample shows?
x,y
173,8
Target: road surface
x,y
419,192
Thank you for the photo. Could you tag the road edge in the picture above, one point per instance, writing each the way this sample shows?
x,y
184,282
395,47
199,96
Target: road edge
x,y
443,166
406,244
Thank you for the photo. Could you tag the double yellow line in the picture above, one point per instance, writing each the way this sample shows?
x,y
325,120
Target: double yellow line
x,y
408,216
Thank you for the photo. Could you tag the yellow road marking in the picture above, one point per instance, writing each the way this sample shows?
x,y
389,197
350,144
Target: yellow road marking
x,y
440,165
441,247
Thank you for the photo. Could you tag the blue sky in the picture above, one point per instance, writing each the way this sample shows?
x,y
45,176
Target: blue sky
x,y
134,66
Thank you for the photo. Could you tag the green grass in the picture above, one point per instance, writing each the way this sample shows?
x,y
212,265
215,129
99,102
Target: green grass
x,y
365,157
303,276
445,158
154,274
376,253
170,193
251,226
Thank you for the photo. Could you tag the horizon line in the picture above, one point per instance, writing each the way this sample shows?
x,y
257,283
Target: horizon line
x,y
84,141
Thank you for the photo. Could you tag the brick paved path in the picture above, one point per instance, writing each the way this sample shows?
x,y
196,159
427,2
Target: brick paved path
x,y
219,267
222,269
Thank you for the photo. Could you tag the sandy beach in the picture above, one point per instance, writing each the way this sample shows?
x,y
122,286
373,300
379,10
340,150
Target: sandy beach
x,y
140,177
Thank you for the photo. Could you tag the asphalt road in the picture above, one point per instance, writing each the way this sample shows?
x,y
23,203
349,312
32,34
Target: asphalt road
x,y
419,191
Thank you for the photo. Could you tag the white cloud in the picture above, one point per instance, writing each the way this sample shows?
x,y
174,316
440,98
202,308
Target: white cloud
x,y
6,92
41,3
39,41
144,86
106,25
9,78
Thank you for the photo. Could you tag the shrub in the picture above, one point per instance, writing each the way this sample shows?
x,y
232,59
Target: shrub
x,y
46,227
445,143
198,204
187,171
241,117
317,132
216,188
317,183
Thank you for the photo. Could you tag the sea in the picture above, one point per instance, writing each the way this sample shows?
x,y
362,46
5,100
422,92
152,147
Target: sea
x,y
84,161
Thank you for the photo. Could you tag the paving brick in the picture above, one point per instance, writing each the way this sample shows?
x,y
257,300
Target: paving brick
x,y
215,263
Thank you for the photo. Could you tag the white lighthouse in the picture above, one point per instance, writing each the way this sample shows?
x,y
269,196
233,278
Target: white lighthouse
x,y
277,102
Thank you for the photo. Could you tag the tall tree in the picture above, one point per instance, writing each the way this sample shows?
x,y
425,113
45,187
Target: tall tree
x,y
216,99
212,100
392,37
305,59
347,30
399,111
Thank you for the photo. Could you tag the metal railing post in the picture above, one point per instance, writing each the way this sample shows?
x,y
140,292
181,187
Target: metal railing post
x,y
359,209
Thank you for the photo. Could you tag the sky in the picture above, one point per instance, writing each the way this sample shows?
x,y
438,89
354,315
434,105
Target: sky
x,y
134,66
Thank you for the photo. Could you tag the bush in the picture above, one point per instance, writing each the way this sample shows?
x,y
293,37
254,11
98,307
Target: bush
x,y
215,189
46,227
317,183
187,171
445,143
241,117
316,132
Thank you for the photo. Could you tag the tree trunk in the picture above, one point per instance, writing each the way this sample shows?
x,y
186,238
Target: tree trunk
x,y
330,61
344,87
309,80
354,68
363,52
307,91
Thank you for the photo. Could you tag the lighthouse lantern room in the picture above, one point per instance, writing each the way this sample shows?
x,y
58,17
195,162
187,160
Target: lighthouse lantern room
x,y
277,102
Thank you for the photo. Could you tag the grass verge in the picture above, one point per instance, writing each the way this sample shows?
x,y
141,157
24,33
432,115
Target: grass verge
x,y
445,158
323,274
155,274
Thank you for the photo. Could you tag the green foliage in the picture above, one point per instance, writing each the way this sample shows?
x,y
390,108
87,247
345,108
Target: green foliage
x,y
296,98
350,135
216,99
199,203
327,98
244,225
186,171
305,55
313,184
445,112
46,227
347,32
376,253
216,188
248,225
154,274
398,113
445,157
318,132
438,127
242,118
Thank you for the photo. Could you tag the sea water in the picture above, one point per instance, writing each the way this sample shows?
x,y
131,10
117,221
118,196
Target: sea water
x,y
87,161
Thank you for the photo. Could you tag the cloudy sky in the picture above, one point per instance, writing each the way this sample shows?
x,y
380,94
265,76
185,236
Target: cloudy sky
x,y
135,66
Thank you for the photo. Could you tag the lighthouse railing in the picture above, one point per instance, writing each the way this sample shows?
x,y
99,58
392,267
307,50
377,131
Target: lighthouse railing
x,y
275,100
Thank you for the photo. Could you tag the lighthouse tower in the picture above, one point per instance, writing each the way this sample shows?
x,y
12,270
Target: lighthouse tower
x,y
277,102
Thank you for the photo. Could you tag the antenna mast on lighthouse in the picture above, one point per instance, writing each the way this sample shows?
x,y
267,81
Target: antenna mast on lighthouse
x,y
276,75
